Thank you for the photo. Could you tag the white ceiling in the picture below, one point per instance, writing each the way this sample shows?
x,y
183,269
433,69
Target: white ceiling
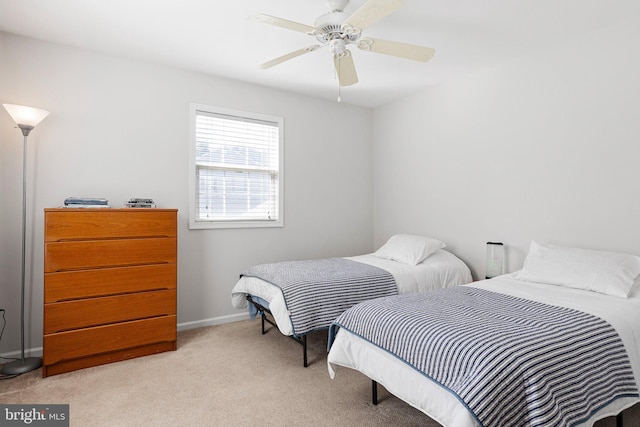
x,y
215,36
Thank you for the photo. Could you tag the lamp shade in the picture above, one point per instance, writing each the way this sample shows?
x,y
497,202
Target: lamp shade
x,y
23,115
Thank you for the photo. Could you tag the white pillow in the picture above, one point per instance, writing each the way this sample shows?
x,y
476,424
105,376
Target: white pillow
x,y
635,289
609,273
408,248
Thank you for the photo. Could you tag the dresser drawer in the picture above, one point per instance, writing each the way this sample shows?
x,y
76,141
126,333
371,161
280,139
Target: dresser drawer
x,y
109,338
70,285
65,316
72,255
76,224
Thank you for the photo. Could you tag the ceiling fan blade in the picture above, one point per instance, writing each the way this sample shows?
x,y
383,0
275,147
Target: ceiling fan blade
x,y
283,23
402,50
346,69
288,56
371,12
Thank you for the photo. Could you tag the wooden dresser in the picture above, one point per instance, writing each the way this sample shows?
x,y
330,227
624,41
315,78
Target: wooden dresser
x,y
109,286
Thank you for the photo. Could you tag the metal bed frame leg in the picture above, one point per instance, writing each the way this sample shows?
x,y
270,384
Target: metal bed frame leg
x,y
619,421
304,350
264,319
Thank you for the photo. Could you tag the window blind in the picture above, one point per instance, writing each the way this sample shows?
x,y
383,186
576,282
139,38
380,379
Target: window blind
x,y
237,168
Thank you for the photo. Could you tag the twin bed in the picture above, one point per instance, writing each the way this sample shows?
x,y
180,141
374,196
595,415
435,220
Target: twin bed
x,y
306,296
555,344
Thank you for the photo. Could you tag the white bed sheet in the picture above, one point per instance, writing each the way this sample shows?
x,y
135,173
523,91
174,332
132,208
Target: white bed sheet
x,y
440,270
398,378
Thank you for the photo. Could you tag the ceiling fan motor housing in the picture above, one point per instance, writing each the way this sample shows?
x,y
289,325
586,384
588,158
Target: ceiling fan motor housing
x,y
330,25
331,22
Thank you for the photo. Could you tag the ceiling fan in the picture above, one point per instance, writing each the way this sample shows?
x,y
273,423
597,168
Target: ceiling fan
x,y
338,29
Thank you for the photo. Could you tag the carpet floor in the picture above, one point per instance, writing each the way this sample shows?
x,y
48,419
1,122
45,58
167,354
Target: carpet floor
x,y
225,375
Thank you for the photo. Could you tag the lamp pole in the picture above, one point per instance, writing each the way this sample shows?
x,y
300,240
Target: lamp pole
x,y
26,118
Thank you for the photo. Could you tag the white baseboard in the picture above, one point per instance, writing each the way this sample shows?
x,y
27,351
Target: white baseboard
x,y
37,351
213,321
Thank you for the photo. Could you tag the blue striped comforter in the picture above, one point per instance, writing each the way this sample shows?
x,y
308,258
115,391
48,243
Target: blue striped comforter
x,y
317,291
510,361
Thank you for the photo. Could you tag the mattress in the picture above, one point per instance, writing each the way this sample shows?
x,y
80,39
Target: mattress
x,y
441,269
349,350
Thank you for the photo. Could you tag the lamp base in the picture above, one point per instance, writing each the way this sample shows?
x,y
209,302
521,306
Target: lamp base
x,y
21,366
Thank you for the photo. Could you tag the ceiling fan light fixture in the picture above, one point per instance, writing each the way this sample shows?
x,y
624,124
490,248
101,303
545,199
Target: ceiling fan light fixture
x,y
337,47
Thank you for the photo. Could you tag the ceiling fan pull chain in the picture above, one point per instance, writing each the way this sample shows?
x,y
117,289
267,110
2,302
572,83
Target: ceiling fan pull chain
x,y
336,73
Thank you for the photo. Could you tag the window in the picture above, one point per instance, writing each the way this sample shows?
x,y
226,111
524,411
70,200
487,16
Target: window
x,y
236,176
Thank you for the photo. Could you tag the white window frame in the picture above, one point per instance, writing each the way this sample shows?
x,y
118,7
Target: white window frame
x,y
195,223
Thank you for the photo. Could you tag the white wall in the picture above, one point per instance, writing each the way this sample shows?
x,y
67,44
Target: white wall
x,y
545,147
119,128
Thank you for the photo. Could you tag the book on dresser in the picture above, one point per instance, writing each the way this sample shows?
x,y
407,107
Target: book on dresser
x,y
110,283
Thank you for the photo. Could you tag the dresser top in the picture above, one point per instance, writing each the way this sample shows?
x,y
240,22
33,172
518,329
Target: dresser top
x,y
108,209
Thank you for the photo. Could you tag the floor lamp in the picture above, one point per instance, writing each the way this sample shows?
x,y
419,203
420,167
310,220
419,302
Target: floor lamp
x,y
26,118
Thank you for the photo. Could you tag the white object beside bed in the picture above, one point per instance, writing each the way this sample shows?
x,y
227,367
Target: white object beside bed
x,y
440,269
349,350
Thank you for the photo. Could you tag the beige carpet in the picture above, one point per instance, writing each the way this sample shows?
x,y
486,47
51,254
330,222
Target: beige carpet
x,y
227,375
